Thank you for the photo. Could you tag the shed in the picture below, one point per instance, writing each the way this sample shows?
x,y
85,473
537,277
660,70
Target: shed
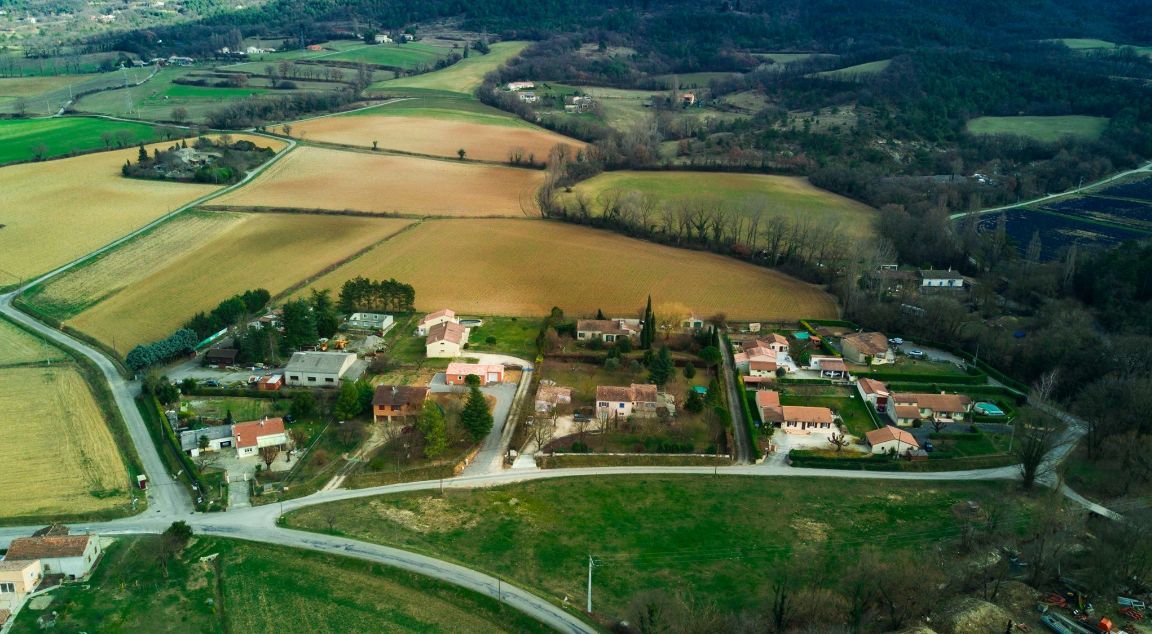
x,y
220,357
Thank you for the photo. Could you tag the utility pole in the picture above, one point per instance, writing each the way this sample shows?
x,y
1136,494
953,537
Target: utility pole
x,y
591,565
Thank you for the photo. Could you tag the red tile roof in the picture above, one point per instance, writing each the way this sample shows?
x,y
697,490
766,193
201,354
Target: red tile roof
x,y
877,436
868,343
764,366
399,396
447,331
948,403
833,365
47,547
635,393
248,434
803,414
872,386
767,398
446,312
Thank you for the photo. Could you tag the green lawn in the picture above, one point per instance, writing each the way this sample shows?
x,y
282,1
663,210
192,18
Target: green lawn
x,y
968,445
857,72
242,409
717,539
408,55
792,197
1044,129
19,137
913,367
849,407
254,587
513,335
462,77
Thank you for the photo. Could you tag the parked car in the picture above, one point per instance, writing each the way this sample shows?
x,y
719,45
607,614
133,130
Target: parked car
x,y
580,418
928,446
915,352
288,418
211,383
896,341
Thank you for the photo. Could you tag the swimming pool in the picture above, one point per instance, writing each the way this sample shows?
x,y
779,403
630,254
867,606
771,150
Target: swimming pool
x,y
472,323
988,409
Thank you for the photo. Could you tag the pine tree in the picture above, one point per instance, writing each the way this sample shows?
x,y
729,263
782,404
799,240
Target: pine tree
x,y
600,314
348,403
662,367
476,417
646,328
431,425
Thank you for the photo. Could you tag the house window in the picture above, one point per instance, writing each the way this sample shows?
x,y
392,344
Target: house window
x,y
8,588
293,378
620,405
329,380
603,403
312,379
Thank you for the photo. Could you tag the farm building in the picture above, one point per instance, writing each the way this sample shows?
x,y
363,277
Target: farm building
x,y
866,348
874,392
519,85
370,321
313,369
220,357
445,340
798,419
397,401
457,373
638,399
768,402
270,383
907,408
18,579
549,396
70,555
219,437
446,315
607,329
931,280
252,436
892,440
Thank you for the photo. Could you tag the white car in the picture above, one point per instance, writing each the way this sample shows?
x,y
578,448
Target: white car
x,y
896,341
915,353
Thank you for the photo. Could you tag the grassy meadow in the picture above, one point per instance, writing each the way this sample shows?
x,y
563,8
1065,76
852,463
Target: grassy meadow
x,y
794,198
252,587
25,139
1043,129
462,77
666,533
857,72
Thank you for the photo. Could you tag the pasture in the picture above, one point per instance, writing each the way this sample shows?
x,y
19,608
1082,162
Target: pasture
x,y
485,138
26,139
16,87
529,266
18,347
45,94
1043,129
464,76
272,251
60,458
746,194
316,178
856,73
630,110
667,534
410,55
83,203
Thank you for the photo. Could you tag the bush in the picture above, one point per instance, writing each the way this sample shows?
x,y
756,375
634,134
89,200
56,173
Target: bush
x,y
611,363
180,342
490,340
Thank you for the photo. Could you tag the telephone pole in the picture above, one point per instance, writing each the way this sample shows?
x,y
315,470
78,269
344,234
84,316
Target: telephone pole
x,y
591,565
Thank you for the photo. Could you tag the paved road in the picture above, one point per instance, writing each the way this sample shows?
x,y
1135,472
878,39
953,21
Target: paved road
x,y
742,452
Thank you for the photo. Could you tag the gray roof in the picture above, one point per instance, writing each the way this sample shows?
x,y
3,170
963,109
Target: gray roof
x,y
941,275
326,362
190,439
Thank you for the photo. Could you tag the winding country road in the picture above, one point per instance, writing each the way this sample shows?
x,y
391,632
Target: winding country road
x,y
168,501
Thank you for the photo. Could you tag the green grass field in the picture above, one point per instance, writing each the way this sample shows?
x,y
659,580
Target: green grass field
x,y
855,73
719,540
262,588
514,335
791,58
461,77
456,109
61,136
792,197
408,55
1089,45
1044,129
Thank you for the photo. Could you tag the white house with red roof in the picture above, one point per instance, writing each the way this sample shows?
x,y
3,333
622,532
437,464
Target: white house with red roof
x,y
445,340
446,315
891,439
252,436
457,373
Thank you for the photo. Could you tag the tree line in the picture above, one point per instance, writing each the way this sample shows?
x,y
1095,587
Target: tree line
x,y
362,295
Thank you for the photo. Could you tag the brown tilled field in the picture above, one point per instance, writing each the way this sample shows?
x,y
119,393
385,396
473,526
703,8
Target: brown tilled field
x,y
272,251
525,267
315,178
437,136
59,455
56,211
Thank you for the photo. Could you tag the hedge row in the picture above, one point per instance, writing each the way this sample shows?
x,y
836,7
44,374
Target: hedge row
x,y
832,322
879,462
969,379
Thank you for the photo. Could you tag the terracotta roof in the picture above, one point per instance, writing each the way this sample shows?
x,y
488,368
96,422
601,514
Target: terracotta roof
x,y
602,326
833,365
776,338
479,369
16,564
907,411
635,393
767,398
398,396
872,386
47,547
446,312
761,353
554,394
935,402
870,343
807,414
766,366
740,357
248,434
877,436
447,331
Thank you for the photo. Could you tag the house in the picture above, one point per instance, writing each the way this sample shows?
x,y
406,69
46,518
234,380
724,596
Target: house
x,y
370,321
831,367
549,396
803,420
252,436
312,369
219,437
390,401
439,317
638,399
755,352
890,439
907,408
931,280
775,342
18,579
762,369
488,373
688,99
528,97
383,38
220,357
692,323
606,329
70,555
866,348
768,402
874,392
270,383
445,340
519,85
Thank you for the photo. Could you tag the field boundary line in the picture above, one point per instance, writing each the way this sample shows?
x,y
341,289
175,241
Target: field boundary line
x,y
341,147
337,114
354,213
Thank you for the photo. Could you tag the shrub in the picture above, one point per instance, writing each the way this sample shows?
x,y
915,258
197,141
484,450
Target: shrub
x,y
490,340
